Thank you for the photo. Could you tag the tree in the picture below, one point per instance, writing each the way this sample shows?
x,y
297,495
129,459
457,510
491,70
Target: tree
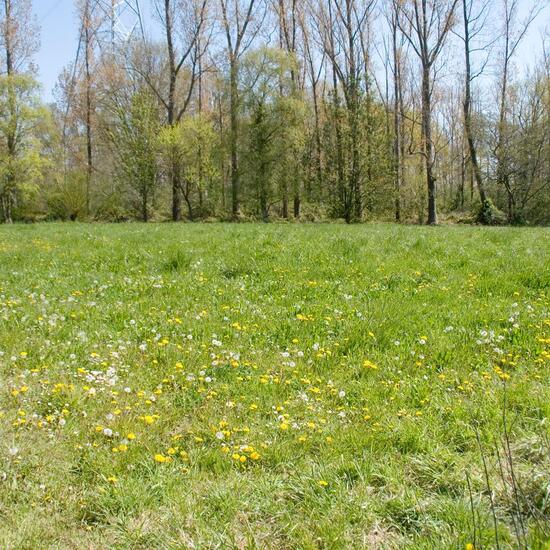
x,y
22,119
513,34
184,19
134,139
274,130
20,110
426,26
473,25
237,17
192,143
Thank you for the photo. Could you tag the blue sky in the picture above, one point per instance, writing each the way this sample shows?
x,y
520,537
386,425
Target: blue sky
x,y
59,37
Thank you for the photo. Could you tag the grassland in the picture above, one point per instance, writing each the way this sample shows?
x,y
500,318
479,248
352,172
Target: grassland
x,y
246,386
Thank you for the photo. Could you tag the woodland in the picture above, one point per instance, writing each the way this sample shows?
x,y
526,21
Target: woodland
x,y
351,110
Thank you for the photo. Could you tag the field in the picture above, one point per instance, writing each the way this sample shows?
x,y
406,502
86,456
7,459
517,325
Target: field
x,y
274,386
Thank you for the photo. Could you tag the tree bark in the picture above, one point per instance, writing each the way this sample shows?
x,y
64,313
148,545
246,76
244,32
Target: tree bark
x,y
468,107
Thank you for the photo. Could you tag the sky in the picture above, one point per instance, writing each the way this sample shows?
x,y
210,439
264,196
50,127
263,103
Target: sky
x,y
59,39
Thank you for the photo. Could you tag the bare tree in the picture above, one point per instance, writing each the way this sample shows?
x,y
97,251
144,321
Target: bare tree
x,y
342,23
398,107
183,19
474,22
513,34
87,33
426,26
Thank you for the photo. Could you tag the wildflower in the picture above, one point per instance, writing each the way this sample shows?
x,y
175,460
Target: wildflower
x,y
161,459
131,436
322,483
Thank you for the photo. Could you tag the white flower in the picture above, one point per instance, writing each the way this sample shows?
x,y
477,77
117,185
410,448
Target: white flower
x,y
341,394
108,432
220,435
13,451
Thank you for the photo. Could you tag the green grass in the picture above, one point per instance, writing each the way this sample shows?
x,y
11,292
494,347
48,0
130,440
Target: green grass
x,y
351,366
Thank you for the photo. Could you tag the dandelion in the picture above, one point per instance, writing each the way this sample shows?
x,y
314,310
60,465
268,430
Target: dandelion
x,y
161,459
322,483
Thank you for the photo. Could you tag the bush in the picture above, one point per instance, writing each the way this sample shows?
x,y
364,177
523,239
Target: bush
x,y
489,214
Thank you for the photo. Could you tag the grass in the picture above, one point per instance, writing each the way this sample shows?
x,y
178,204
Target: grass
x,y
247,386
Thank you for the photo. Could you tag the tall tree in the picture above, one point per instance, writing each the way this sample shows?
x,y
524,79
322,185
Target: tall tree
x,y
183,21
513,33
474,22
426,26
237,17
18,37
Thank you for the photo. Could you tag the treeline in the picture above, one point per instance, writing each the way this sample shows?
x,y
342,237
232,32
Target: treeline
x,y
356,110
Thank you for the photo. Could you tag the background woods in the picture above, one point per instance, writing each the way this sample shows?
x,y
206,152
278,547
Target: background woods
x,y
356,110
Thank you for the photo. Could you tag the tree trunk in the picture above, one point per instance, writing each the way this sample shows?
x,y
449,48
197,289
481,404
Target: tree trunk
x,y
468,108
234,131
89,151
10,190
397,122
428,145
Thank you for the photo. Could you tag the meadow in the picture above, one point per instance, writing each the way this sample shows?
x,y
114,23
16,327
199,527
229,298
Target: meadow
x,y
179,386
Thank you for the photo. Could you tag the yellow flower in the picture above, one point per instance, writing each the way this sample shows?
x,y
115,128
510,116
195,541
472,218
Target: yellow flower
x,y
131,436
112,479
284,426
322,483
255,456
161,459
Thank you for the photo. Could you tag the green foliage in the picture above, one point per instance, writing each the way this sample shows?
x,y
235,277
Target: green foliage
x,y
489,214
194,146
134,138
23,122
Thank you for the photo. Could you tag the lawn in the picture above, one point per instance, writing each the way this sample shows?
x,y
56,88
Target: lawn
x,y
274,386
